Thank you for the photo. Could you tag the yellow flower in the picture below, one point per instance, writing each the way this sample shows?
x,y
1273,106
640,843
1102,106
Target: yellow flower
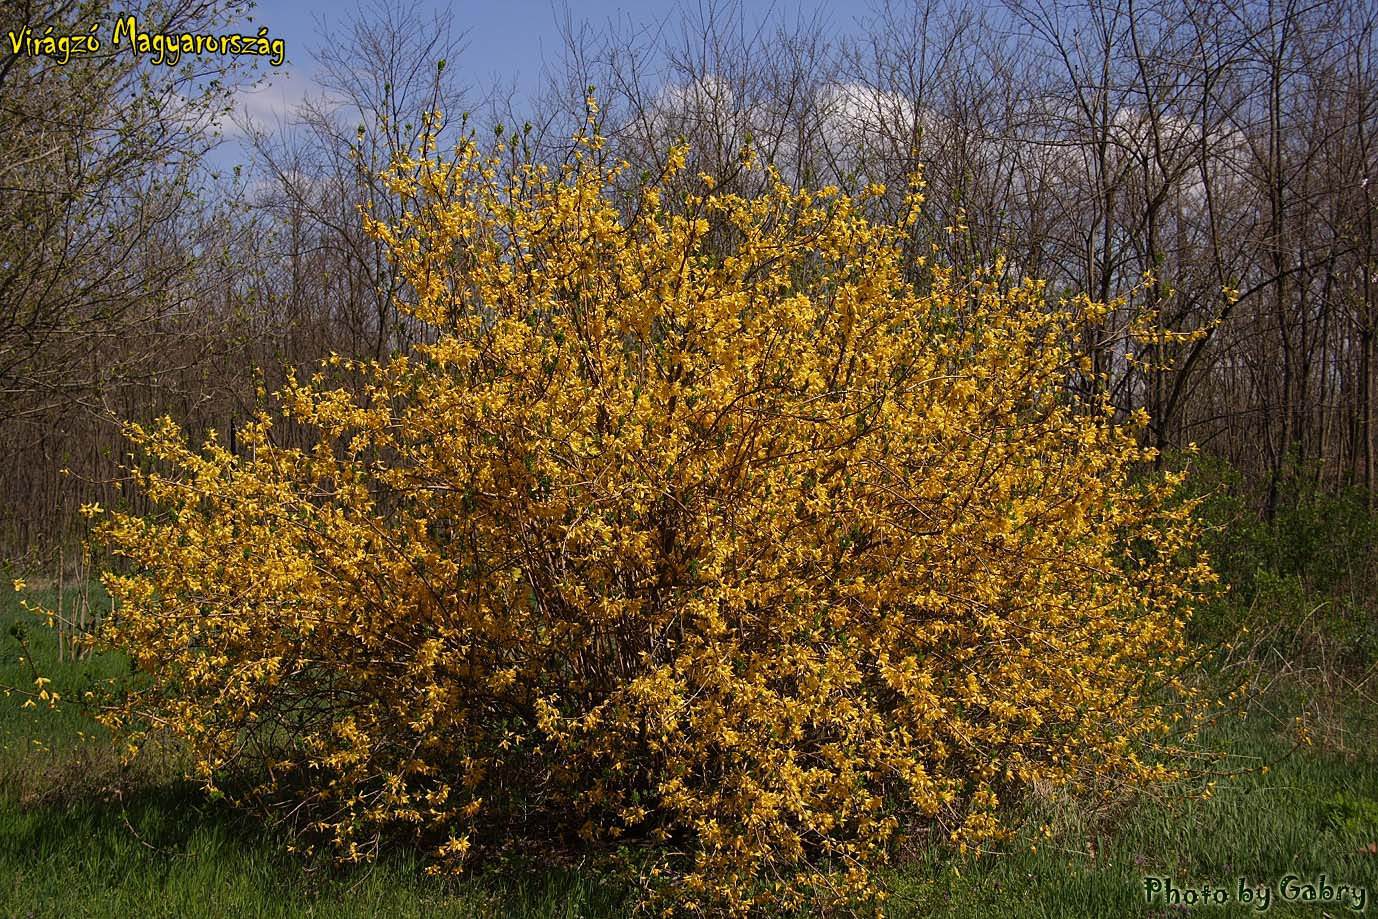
x,y
694,519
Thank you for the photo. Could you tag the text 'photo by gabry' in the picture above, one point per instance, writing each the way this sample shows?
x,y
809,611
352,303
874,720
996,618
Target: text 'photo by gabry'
x,y
127,32
1321,890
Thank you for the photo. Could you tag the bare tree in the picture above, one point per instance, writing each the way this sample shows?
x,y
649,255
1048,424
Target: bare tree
x,y
380,80
106,220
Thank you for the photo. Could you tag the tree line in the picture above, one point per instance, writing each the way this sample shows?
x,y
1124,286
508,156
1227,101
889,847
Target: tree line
x,y
1206,166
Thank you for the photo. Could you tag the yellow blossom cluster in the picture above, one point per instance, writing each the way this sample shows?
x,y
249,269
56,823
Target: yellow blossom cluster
x,y
699,530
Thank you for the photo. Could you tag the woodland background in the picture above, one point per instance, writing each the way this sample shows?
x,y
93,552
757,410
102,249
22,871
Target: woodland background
x,y
1213,162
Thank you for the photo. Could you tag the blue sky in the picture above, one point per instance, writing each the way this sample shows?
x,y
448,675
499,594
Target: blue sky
x,y
504,40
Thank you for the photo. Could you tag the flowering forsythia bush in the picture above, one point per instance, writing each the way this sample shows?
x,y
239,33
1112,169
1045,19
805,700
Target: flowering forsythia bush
x,y
699,533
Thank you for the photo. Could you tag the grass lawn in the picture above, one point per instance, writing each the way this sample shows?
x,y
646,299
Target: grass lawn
x,y
81,836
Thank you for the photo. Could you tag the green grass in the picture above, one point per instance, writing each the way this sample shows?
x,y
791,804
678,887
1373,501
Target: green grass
x,y
1308,815
82,836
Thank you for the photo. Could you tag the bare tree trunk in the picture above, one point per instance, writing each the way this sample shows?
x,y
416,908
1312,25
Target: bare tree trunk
x,y
61,620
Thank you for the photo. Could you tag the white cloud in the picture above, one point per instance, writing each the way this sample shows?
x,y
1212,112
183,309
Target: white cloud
x,y
271,104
